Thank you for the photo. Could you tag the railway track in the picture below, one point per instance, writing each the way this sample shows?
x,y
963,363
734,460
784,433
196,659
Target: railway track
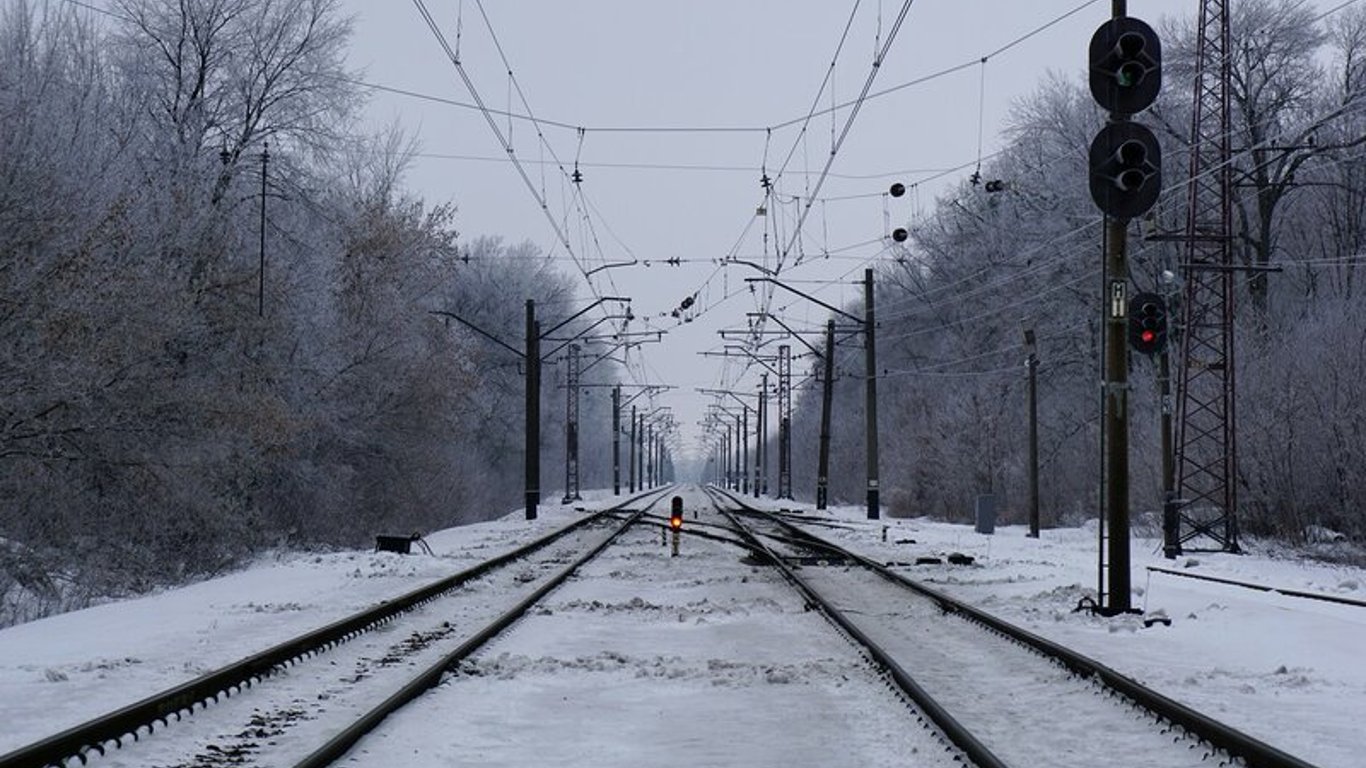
x,y
984,692
643,658
1006,697
361,644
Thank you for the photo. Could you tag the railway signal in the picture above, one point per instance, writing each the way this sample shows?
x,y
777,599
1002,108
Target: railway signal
x,y
1125,76
1125,62
676,522
1126,65
1126,170
1147,323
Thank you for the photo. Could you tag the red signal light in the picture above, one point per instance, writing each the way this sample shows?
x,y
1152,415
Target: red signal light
x,y
1149,336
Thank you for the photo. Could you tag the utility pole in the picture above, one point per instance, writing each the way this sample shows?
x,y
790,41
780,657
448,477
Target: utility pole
x,y
762,458
870,372
261,281
725,456
633,450
744,449
827,395
869,323
531,354
739,449
650,455
640,452
616,440
571,427
784,421
1032,366
532,448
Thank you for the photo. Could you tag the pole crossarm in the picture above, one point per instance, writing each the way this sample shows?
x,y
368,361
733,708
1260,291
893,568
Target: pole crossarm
x,y
612,265
751,264
581,337
480,331
584,333
737,396
760,360
546,333
795,334
806,296
730,333
646,389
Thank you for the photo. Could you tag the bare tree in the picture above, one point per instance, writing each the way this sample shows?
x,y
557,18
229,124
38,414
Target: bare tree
x,y
225,76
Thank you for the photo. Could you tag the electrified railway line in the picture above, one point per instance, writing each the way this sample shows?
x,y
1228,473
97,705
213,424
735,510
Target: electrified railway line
x,y
355,656
1005,696
710,649
361,683
983,691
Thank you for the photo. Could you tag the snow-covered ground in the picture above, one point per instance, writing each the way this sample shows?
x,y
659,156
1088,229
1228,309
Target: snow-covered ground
x,y
1289,671
645,659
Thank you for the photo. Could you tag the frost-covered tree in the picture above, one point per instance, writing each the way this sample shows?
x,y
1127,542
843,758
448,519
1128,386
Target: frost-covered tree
x,y
167,406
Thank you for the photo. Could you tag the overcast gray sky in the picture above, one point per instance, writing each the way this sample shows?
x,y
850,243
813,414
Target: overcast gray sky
x,y
650,83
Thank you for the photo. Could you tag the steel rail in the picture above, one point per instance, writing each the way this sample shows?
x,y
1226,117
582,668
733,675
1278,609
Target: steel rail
x,y
340,744
1262,587
140,718
1253,751
961,737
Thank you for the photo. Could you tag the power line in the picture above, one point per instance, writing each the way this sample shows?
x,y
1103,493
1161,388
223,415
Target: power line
x,y
844,132
691,167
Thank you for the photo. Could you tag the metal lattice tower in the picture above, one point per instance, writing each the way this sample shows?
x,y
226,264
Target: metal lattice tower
x,y
571,428
1206,448
784,421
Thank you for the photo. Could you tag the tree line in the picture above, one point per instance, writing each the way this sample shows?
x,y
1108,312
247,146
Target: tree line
x,y
168,408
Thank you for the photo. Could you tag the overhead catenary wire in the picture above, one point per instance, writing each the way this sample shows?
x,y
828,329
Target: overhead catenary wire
x,y
493,124
848,124
578,197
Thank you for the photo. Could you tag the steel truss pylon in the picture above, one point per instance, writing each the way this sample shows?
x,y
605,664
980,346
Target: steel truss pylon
x,y
571,428
784,421
1206,445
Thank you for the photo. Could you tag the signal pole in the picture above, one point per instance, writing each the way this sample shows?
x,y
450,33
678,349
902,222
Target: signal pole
x,y
1125,179
1116,416
1171,521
